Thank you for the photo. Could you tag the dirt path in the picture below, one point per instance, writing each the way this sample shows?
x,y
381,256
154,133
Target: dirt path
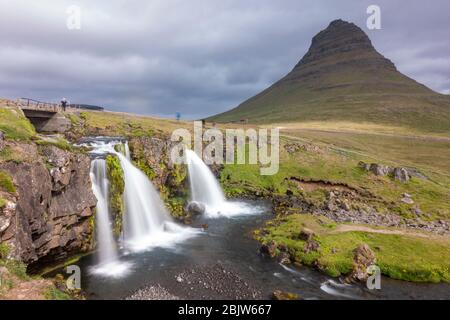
x,y
28,290
347,228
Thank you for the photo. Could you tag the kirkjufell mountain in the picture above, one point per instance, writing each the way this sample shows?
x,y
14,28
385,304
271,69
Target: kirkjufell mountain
x,y
343,78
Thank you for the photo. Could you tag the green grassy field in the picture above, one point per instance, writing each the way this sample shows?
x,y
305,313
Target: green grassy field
x,y
340,166
399,256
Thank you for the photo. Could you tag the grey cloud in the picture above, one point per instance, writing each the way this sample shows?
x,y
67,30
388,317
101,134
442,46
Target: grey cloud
x,y
198,57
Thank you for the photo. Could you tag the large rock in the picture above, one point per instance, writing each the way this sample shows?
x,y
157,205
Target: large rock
x,y
195,207
379,169
269,249
50,219
401,174
363,257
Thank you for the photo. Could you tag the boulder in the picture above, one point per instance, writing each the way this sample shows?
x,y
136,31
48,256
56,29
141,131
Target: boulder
x,y
195,207
284,258
363,257
407,198
306,234
401,174
379,169
270,249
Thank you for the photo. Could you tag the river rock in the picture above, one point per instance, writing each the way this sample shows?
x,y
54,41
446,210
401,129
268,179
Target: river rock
x,y
270,249
363,257
195,207
283,295
284,258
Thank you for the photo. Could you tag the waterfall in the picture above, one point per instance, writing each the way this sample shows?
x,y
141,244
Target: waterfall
x,y
205,189
127,151
145,213
204,186
146,221
106,245
108,260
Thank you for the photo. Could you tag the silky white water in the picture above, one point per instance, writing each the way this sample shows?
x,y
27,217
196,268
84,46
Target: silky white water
x,y
205,188
127,151
146,221
108,259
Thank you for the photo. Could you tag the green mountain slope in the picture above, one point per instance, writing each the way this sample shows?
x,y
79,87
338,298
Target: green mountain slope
x,y
343,78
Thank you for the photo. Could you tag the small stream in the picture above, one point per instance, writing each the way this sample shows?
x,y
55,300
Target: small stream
x,y
228,242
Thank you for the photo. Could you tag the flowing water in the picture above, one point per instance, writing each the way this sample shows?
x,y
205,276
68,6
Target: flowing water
x,y
228,241
146,222
155,251
205,189
108,258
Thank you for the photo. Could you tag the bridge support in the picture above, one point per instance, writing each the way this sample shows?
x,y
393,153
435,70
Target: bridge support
x,y
47,122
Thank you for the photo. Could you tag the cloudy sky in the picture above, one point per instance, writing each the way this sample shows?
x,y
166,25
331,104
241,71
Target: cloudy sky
x,y
198,57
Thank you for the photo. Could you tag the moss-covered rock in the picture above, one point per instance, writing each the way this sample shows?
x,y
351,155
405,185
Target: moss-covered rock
x,y
6,182
116,189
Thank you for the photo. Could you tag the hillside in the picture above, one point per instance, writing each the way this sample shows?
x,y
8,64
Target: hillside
x,y
343,78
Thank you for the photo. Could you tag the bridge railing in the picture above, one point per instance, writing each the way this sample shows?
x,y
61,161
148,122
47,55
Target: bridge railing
x,y
30,104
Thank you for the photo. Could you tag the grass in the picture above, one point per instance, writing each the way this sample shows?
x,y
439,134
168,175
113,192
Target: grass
x,y
3,202
15,125
428,153
339,87
59,143
6,182
337,166
122,124
17,268
402,257
53,293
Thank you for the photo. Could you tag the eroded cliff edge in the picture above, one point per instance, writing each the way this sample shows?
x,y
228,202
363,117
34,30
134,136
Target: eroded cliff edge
x,y
48,216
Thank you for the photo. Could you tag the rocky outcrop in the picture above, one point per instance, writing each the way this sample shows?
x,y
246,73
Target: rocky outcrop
x,y
152,155
401,174
363,258
49,216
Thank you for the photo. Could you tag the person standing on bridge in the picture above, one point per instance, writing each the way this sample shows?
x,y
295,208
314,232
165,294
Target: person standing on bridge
x,y
64,104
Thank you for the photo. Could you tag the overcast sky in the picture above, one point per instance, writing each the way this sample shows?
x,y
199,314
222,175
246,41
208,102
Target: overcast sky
x,y
196,57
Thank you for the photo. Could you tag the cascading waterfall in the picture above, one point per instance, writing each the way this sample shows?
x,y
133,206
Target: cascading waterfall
x,y
106,245
146,221
108,259
204,186
205,189
127,151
